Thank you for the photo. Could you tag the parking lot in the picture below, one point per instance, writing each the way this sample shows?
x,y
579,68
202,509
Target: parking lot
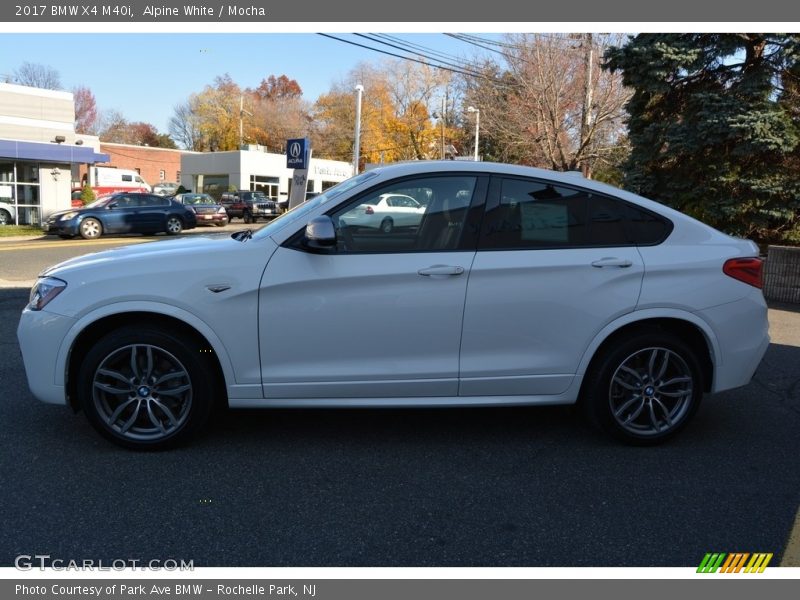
x,y
461,487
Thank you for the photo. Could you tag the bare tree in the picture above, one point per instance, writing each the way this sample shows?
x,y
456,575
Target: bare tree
x,y
184,126
36,75
539,113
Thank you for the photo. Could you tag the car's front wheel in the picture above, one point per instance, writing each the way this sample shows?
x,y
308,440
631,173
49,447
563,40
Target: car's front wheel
x,y
145,388
174,225
91,229
247,217
643,389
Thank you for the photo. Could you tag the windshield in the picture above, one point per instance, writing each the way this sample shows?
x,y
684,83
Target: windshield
x,y
301,210
198,199
100,202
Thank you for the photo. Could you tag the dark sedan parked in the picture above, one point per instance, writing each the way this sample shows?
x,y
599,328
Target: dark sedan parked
x,y
122,213
205,207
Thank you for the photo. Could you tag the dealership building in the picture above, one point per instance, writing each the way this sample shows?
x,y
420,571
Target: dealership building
x,y
39,152
253,168
42,160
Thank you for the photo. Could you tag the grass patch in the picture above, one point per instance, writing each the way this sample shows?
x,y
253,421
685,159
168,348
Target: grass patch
x,y
19,230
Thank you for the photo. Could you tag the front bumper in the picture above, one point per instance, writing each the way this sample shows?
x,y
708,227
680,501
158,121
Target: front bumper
x,y
212,219
70,227
40,334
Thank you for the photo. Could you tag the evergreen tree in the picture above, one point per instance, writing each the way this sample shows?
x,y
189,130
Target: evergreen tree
x,y
714,127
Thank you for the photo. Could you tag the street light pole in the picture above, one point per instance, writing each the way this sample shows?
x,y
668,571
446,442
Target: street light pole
x,y
477,112
357,144
444,107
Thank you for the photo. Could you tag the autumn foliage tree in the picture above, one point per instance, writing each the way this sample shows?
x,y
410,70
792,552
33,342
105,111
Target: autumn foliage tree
x,y
396,119
270,114
85,110
115,128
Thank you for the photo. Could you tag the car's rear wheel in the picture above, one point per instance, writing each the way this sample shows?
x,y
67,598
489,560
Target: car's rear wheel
x,y
174,225
5,218
644,389
144,388
91,229
387,225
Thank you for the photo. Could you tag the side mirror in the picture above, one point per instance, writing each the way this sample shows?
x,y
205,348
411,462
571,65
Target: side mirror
x,y
320,234
112,205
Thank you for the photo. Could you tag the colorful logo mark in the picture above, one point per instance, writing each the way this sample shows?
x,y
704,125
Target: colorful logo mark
x,y
735,562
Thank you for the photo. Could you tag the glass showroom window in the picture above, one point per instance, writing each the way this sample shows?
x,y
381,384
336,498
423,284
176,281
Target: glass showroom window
x,y
28,193
268,185
213,185
19,188
7,196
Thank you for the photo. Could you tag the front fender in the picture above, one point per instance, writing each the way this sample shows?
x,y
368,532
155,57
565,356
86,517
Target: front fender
x,y
142,306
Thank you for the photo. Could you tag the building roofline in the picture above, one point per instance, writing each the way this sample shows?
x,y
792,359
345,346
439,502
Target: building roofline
x,y
34,91
138,147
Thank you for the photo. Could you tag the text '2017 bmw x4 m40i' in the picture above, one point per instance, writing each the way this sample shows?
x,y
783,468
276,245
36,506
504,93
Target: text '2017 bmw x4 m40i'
x,y
516,286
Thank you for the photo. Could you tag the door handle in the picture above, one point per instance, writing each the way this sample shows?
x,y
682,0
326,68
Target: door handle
x,y
441,271
610,261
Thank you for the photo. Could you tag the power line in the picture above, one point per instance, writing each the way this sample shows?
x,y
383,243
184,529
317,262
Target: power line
x,y
416,60
419,47
459,66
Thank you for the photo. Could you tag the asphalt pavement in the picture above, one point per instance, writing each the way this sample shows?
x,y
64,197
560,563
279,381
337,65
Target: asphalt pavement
x,y
436,487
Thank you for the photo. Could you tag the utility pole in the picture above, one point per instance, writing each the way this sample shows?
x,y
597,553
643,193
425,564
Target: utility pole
x,y
242,113
444,117
357,142
586,121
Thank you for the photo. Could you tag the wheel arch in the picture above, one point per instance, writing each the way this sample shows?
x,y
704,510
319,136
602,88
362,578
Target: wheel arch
x,y
692,330
90,331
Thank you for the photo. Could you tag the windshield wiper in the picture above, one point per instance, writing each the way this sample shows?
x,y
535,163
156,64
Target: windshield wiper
x,y
242,236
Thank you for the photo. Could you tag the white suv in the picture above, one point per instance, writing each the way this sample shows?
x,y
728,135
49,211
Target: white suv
x,y
517,286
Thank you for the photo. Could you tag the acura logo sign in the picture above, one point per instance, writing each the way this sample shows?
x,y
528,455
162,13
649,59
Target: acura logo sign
x,y
297,151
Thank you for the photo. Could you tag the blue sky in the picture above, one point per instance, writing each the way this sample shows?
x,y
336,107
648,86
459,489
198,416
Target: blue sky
x,y
145,75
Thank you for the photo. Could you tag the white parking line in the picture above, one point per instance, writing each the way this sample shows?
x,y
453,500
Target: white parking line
x,y
791,557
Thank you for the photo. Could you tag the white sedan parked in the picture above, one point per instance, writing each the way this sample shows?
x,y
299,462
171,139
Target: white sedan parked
x,y
385,212
517,286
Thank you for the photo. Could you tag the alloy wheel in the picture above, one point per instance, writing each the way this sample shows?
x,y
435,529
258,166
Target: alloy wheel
x,y
651,391
142,392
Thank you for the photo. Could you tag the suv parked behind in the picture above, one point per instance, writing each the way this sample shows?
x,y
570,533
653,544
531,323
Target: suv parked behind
x,y
249,206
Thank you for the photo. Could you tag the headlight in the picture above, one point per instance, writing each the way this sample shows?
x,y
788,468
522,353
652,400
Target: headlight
x,y
67,216
221,210
44,291
191,209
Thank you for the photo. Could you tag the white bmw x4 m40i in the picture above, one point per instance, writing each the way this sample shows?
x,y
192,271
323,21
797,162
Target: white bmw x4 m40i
x,y
516,286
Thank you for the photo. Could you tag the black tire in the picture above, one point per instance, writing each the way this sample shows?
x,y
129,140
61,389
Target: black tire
x,y
387,225
643,389
174,225
247,217
5,218
175,359
90,229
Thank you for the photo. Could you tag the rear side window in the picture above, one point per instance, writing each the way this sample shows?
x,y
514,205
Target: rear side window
x,y
531,214
127,178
